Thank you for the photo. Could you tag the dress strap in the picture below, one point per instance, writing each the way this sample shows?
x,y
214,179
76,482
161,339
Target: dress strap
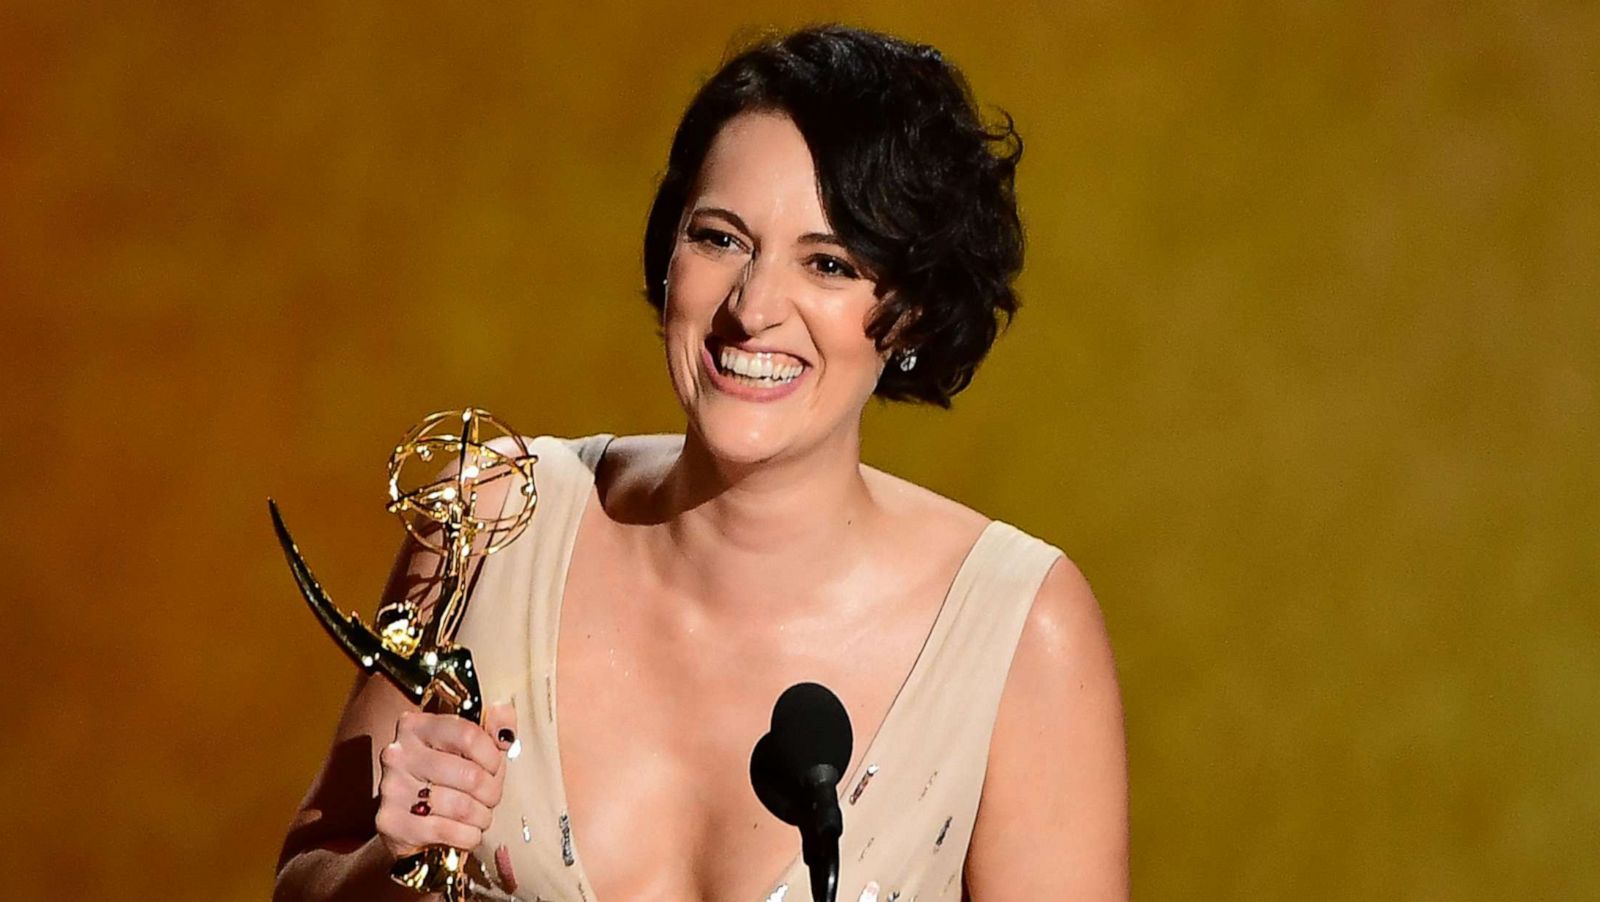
x,y
590,449
911,802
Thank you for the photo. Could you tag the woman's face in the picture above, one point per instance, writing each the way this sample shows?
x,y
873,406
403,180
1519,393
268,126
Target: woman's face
x,y
766,312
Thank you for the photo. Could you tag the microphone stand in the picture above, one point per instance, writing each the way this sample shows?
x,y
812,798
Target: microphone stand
x,y
819,838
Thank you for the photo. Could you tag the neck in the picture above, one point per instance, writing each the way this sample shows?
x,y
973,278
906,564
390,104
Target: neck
x,y
735,535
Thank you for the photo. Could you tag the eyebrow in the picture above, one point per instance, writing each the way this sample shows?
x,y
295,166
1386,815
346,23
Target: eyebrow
x,y
821,238
731,217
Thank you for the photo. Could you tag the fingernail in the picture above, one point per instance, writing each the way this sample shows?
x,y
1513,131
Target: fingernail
x,y
506,736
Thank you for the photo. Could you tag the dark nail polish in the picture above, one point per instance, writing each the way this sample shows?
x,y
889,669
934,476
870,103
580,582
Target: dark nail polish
x,y
424,792
422,809
506,736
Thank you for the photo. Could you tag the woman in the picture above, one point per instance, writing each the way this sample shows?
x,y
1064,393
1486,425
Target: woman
x,y
835,222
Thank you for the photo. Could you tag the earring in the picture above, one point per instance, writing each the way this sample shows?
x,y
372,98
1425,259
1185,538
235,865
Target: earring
x,y
908,359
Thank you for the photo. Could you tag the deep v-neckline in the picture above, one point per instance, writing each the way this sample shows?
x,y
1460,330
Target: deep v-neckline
x,y
935,634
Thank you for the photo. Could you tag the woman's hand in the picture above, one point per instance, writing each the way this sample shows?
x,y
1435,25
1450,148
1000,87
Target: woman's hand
x,y
441,779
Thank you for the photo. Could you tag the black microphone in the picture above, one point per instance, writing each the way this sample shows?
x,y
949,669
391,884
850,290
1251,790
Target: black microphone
x,y
795,770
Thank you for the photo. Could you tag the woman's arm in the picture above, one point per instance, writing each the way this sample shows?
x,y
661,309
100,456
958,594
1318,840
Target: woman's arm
x,y
332,850
357,817
1053,821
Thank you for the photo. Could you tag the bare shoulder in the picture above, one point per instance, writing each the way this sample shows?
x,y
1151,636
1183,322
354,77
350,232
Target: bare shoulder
x,y
1053,816
1053,819
1065,633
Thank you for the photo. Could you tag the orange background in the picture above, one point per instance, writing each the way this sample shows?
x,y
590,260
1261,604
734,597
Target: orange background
x,y
1307,380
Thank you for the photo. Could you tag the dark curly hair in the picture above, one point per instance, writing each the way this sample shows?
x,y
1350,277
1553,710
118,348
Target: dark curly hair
x,y
913,181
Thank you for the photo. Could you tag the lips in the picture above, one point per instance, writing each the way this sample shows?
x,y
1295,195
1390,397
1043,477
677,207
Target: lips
x,y
750,373
748,352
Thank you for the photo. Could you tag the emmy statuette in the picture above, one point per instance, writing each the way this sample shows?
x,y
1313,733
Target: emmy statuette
x,y
435,475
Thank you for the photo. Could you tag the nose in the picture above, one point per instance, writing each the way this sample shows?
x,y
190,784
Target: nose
x,y
758,299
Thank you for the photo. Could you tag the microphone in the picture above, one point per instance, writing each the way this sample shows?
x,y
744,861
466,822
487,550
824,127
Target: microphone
x,y
795,770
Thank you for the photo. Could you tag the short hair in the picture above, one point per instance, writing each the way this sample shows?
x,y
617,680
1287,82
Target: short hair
x,y
910,177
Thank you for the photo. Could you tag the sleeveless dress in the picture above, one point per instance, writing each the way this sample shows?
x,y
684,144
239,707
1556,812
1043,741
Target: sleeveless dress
x,y
908,806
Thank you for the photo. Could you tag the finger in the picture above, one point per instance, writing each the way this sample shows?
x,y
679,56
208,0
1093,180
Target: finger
x,y
443,769
404,831
399,792
500,722
458,736
457,806
396,831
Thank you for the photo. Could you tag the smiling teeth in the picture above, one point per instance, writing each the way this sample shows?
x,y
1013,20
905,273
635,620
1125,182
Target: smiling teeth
x,y
759,366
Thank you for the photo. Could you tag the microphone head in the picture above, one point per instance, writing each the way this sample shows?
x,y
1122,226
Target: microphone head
x,y
813,727
810,727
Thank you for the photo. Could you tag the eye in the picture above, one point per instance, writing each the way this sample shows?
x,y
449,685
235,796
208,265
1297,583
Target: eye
x,y
829,265
715,239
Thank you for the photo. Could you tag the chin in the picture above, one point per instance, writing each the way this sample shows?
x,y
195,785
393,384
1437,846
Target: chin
x,y
743,445
744,440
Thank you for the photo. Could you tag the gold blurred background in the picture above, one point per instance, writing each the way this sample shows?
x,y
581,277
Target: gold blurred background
x,y
1307,380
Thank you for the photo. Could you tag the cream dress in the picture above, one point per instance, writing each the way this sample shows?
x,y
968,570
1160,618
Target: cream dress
x,y
908,806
